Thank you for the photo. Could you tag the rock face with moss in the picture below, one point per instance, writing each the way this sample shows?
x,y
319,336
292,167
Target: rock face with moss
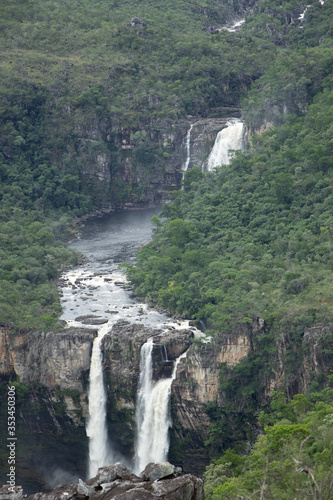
x,y
141,166
218,381
55,360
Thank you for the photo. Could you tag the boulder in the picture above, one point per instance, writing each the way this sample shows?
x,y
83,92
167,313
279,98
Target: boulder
x,y
154,472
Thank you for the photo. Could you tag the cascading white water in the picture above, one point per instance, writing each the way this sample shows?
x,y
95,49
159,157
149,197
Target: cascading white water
x,y
188,149
237,26
144,392
99,452
229,138
153,433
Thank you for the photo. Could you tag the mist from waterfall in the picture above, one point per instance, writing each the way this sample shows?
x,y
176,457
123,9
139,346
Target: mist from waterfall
x,y
153,413
229,138
96,429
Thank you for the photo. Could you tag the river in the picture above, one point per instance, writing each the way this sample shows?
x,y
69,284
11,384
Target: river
x,y
96,294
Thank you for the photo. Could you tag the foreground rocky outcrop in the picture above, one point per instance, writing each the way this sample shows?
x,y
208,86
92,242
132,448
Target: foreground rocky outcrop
x,y
117,482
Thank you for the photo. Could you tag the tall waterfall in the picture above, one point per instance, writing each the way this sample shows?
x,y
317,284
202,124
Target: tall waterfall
x,y
188,149
153,413
229,138
99,452
144,392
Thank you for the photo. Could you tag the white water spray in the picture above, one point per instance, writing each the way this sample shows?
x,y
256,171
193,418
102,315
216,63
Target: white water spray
x,y
188,149
153,433
99,452
236,27
229,138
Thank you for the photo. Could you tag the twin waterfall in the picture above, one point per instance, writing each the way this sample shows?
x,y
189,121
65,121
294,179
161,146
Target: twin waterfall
x,y
230,138
153,418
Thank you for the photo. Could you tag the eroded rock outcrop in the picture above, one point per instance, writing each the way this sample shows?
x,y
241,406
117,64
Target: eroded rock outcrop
x,y
116,481
55,360
197,381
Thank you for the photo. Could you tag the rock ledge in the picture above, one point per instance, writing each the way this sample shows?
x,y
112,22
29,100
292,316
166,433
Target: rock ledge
x,y
117,482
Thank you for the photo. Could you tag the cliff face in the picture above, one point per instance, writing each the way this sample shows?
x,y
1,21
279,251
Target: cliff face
x,y
130,166
55,360
51,373
121,166
52,370
202,377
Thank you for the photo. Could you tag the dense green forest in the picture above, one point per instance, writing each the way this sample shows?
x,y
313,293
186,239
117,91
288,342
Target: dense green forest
x,y
291,460
134,64
254,238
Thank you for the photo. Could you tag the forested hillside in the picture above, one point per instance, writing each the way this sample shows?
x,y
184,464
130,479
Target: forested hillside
x,y
68,66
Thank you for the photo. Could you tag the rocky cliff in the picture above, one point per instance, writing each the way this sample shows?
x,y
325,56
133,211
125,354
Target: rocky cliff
x,y
220,380
51,371
215,384
132,167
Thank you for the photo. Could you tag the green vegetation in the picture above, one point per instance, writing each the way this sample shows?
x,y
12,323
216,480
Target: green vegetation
x,y
71,65
254,238
291,459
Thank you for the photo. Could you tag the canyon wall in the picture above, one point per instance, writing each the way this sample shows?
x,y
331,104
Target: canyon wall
x,y
133,167
51,372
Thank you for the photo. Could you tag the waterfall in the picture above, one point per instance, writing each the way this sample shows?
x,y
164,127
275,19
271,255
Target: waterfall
x,y
144,392
99,453
229,138
237,26
188,149
153,417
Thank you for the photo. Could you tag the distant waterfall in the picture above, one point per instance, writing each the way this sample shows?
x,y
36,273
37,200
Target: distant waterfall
x,y
229,138
188,149
99,453
153,414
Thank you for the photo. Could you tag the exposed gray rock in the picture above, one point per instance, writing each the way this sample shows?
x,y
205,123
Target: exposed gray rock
x,y
110,473
94,321
117,482
84,489
154,472
55,360
11,493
